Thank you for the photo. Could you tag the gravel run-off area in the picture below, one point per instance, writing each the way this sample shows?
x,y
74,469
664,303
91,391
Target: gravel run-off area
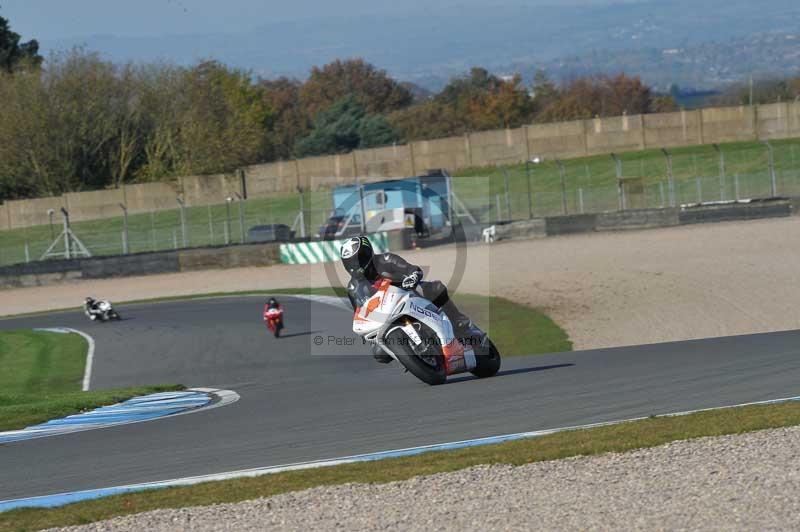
x,y
744,482
604,289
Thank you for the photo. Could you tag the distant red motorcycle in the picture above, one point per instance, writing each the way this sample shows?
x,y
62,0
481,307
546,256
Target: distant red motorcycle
x,y
273,317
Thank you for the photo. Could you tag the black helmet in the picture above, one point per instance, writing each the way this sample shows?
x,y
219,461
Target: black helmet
x,y
357,255
89,299
272,301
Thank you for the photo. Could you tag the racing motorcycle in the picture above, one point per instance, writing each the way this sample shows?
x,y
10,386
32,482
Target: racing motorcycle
x,y
102,310
274,319
416,333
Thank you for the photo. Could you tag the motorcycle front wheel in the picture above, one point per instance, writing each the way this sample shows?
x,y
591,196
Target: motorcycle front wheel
x,y
429,368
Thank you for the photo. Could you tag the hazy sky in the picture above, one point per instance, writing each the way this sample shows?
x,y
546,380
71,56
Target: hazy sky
x,y
54,19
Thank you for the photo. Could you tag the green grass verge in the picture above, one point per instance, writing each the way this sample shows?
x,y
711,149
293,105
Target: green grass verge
x,y
618,438
38,362
515,329
40,379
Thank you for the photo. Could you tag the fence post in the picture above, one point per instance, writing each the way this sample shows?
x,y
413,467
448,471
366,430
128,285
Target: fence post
x,y
125,248
65,214
721,172
699,190
508,199
241,217
27,253
302,216
580,200
536,161
670,177
360,188
228,201
50,213
661,192
771,161
174,238
183,220
152,231
736,186
562,172
210,227
497,211
620,186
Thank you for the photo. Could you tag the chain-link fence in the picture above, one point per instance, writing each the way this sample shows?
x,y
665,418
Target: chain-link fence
x,y
233,222
650,179
653,179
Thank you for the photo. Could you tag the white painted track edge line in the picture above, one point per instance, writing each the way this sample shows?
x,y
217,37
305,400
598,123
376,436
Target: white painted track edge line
x,y
255,472
87,370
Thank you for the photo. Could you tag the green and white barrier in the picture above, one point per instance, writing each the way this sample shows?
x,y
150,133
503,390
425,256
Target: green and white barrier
x,y
325,250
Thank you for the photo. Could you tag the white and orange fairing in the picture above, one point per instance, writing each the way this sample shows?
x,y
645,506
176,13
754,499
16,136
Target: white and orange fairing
x,y
378,314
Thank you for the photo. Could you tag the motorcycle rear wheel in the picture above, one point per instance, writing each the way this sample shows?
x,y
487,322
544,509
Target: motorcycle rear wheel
x,y
430,372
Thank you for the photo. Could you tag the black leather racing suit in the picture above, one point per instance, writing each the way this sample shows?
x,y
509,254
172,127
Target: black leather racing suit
x,y
395,268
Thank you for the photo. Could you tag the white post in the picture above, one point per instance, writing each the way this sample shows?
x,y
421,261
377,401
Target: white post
x,y
580,199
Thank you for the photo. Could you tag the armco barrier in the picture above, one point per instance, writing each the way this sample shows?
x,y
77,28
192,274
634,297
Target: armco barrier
x,y
637,219
577,223
325,250
231,257
54,271
735,211
526,229
130,265
647,218
39,273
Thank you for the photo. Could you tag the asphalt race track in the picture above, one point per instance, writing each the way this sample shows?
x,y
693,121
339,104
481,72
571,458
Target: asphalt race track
x,y
297,406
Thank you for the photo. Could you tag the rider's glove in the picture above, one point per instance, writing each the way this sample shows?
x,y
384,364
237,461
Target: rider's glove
x,y
411,280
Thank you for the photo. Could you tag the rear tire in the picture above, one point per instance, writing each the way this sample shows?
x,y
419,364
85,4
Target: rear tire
x,y
488,364
427,373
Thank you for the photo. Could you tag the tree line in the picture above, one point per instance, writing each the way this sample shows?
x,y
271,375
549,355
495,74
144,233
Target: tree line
x,y
78,122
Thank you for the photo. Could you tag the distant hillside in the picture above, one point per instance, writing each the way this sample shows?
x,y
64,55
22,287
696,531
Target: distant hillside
x,y
693,43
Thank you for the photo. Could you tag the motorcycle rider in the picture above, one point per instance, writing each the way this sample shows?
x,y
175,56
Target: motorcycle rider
x,y
362,263
90,308
272,304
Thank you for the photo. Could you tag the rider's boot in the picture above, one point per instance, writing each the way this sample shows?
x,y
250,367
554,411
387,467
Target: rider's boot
x,y
462,325
380,355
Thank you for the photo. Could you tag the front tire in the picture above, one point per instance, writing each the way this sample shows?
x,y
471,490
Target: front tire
x,y
489,363
430,371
